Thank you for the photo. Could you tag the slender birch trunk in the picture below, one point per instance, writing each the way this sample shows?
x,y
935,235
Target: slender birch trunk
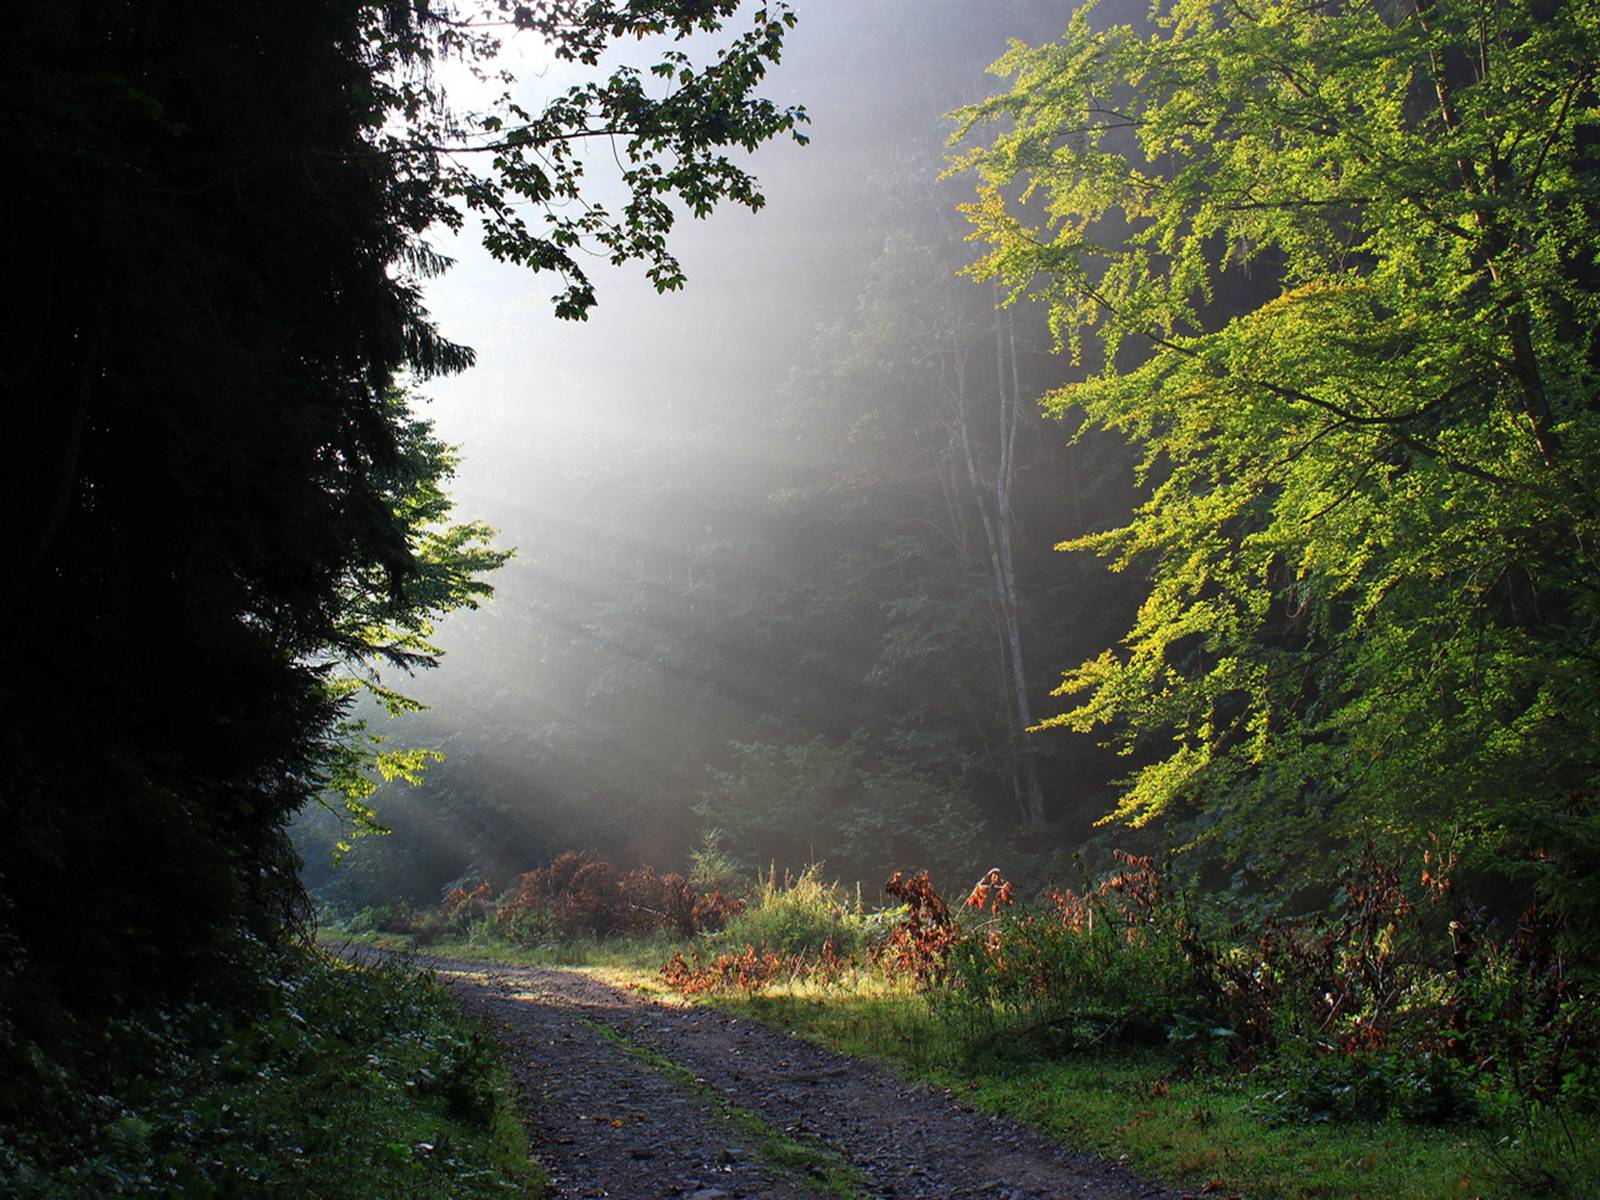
x,y
995,516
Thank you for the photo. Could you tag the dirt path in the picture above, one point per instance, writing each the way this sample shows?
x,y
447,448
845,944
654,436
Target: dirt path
x,y
634,1099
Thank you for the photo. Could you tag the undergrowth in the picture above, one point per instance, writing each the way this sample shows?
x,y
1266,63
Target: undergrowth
x,y
1400,1044
337,1082
576,896
798,914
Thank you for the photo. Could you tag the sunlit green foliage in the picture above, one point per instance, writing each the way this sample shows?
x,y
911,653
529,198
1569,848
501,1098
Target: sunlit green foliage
x,y
391,623
675,127
1338,265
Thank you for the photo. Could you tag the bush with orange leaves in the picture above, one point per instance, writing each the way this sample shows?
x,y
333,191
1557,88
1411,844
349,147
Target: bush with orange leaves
x,y
991,893
463,907
713,911
920,941
578,894
751,970
1109,963
747,971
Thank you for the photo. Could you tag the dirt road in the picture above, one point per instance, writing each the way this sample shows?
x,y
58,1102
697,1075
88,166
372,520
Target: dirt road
x,y
634,1099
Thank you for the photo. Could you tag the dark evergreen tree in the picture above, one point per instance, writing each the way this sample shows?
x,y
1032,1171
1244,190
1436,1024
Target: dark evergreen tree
x,y
217,505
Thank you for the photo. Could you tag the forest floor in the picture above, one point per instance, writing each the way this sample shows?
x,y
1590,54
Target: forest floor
x,y
634,1096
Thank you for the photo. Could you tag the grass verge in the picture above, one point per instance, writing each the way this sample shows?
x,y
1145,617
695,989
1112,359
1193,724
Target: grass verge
x,y
637,955
1190,1128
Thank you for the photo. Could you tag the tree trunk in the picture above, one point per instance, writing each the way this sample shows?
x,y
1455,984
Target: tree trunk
x,y
1031,795
997,531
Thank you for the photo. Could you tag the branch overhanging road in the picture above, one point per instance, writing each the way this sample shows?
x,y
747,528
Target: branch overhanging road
x,y
634,1099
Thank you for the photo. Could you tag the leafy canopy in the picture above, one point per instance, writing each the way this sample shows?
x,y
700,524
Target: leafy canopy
x,y
520,169
1339,266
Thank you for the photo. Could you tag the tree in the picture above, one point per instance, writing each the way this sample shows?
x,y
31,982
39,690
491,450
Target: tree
x,y
1339,262
216,499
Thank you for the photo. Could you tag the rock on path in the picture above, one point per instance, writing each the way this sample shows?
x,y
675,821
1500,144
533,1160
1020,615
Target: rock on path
x,y
610,1123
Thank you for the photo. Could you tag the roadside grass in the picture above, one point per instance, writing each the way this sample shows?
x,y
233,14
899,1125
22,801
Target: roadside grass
x,y
1170,1122
636,955
345,1083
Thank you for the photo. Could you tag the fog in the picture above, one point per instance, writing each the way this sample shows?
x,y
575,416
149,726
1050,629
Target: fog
x,y
750,591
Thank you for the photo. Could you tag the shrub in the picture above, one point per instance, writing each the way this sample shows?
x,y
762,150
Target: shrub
x,y
798,916
712,912
394,917
1118,963
1421,1087
751,970
579,895
713,871
333,1082
919,941
458,913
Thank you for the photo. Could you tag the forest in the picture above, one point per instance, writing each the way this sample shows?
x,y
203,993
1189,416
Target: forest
x,y
1045,555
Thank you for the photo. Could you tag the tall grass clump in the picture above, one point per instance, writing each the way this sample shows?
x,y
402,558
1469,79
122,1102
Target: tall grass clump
x,y
796,916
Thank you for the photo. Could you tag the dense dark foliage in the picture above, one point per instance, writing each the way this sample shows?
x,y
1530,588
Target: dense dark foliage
x,y
333,1082
203,329
222,519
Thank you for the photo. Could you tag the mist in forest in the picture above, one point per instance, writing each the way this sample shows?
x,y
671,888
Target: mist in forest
x,y
784,572
1086,588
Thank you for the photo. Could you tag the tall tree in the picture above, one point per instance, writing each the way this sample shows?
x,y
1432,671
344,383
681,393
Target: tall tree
x,y
1372,518
215,498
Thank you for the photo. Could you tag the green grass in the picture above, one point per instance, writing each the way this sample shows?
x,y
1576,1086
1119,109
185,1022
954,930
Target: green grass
x,y
808,1160
637,954
1187,1129
795,915
346,1084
